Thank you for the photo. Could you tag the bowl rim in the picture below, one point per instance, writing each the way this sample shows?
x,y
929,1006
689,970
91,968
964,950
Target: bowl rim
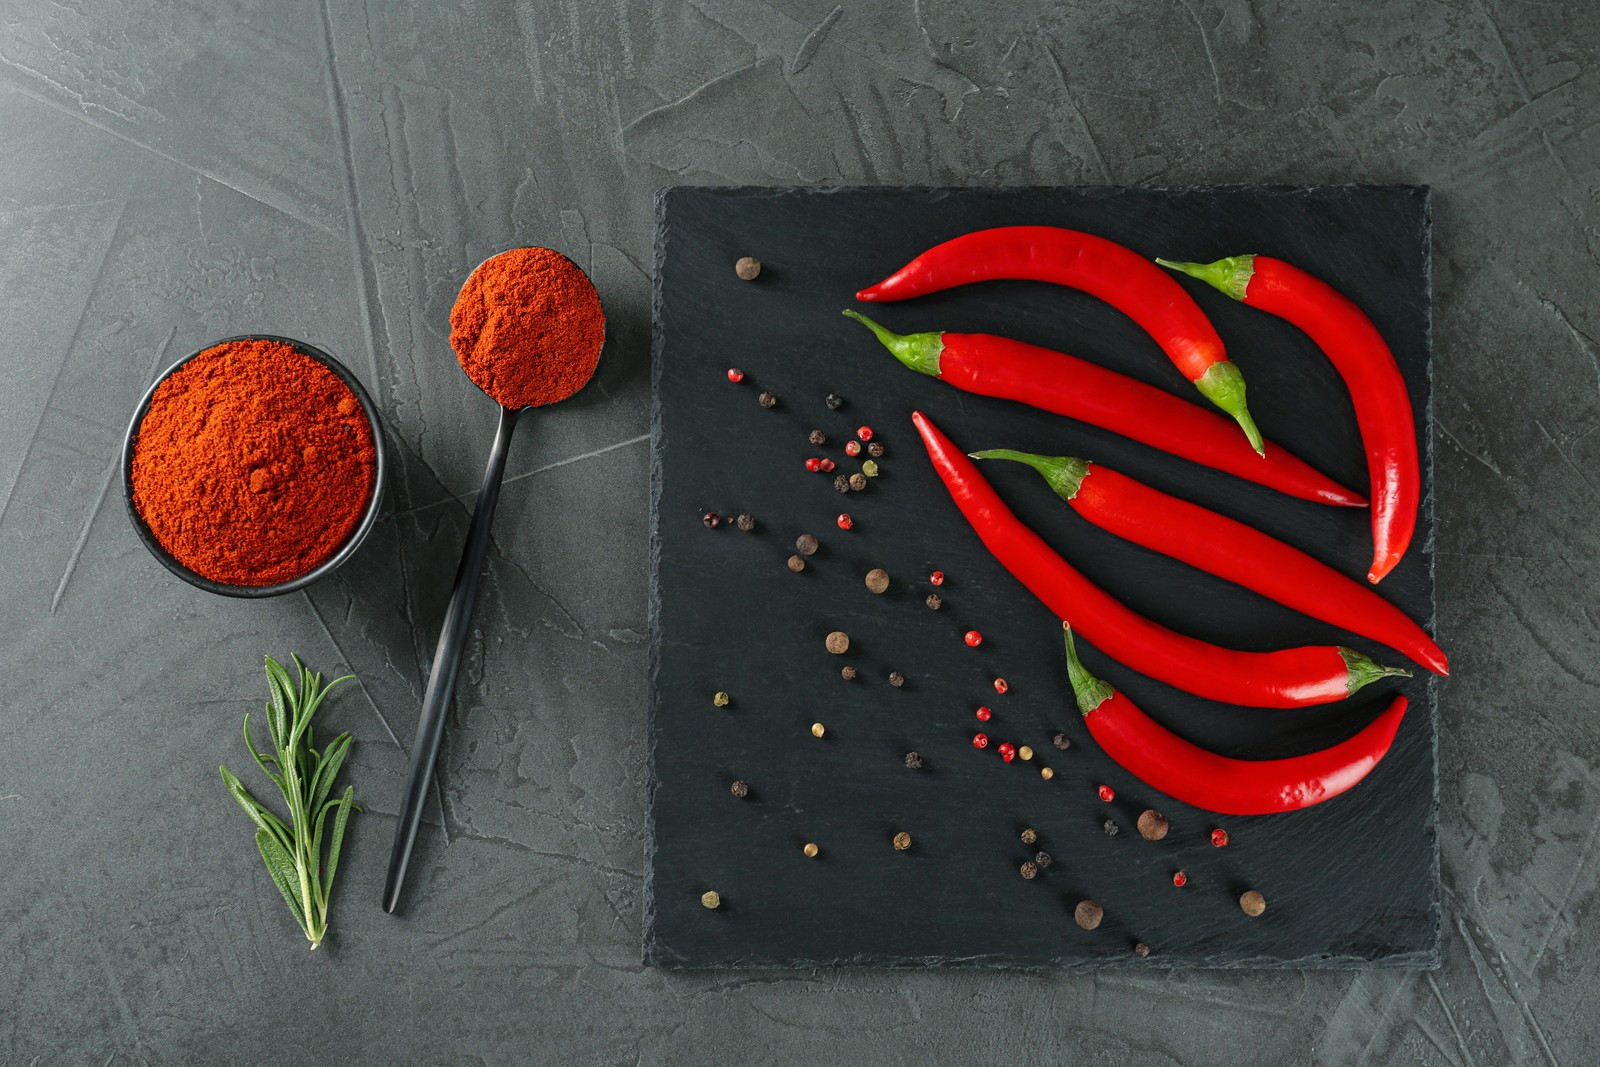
x,y
352,542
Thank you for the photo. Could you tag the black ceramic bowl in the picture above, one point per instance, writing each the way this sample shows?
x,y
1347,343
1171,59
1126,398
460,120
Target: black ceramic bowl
x,y
328,566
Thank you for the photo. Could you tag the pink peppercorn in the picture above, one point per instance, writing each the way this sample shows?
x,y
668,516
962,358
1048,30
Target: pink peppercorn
x,y
845,521
827,466
937,577
974,639
1219,837
1008,751
1001,685
983,714
980,740
813,464
1180,879
1107,794
852,448
864,432
735,375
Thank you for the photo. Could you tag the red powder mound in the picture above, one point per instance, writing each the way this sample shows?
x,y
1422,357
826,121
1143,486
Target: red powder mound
x,y
528,327
253,464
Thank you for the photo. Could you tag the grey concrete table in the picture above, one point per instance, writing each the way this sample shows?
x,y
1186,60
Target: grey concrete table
x,y
172,173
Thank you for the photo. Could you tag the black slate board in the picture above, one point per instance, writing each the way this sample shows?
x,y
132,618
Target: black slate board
x,y
1352,882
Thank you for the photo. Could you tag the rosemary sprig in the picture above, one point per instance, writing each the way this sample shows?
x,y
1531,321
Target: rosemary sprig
x,y
293,852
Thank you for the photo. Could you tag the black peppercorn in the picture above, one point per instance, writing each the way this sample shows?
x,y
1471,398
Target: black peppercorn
x,y
739,789
914,760
1029,869
934,602
748,268
805,544
875,449
1029,836
818,437
834,401
896,679
746,522
1110,827
1061,741
711,519
1043,859
858,482
848,673
1141,950
767,400
841,483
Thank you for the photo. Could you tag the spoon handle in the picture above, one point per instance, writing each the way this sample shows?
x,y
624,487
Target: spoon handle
x,y
447,662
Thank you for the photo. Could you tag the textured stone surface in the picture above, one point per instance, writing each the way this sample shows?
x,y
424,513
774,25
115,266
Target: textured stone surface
x,y
1352,880
179,172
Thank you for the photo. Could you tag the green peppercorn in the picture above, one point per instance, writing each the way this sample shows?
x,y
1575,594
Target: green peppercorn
x,y
721,699
870,469
711,899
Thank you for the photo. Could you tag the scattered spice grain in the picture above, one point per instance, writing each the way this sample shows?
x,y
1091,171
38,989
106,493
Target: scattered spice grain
x,y
841,483
1029,869
1043,859
818,730
1030,836
817,437
711,899
721,699
806,545
875,450
848,673
766,399
711,519
1141,949
740,788
1088,914
748,268
745,521
934,602
897,679
1219,838
1025,753
877,579
1153,825
870,469
1046,773
837,642
797,564
735,375
1110,827
811,850
902,841
1252,903
856,482
1061,741
834,401
914,760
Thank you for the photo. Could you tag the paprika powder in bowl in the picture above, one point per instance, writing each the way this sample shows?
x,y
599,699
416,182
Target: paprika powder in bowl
x,y
254,466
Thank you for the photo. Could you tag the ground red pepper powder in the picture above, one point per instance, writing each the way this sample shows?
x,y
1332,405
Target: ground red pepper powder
x,y
528,327
253,464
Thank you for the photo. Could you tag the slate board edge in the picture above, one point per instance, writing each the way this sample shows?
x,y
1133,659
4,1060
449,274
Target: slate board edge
x,y
1427,959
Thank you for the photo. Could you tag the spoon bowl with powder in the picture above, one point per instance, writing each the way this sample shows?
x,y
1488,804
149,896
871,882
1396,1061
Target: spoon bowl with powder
x,y
527,328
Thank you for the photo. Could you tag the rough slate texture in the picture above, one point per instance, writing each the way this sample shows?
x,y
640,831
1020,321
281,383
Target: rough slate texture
x,y
176,173
1350,881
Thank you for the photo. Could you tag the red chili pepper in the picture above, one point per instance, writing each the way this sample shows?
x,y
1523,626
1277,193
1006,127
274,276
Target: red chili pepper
x,y
1358,352
987,365
1187,772
1229,549
1290,678
1101,268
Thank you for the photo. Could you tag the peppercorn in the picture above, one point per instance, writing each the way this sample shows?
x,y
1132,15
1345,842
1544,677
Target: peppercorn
x,y
1025,753
1001,685
852,448
1141,949
1046,773
735,375
848,673
980,740
934,602
857,482
806,545
845,521
818,437
1180,879
984,714
877,579
841,484
745,521
1252,903
1061,741
739,788
1008,751
811,850
817,729
1219,837
1030,836
721,699
1110,827
1029,869
814,464
897,679
875,450
902,841
1088,914
837,642
870,469
864,432
827,465
797,564
1106,793
766,399
973,639
711,519
914,760
710,899
1043,859
1153,825
748,268
834,401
